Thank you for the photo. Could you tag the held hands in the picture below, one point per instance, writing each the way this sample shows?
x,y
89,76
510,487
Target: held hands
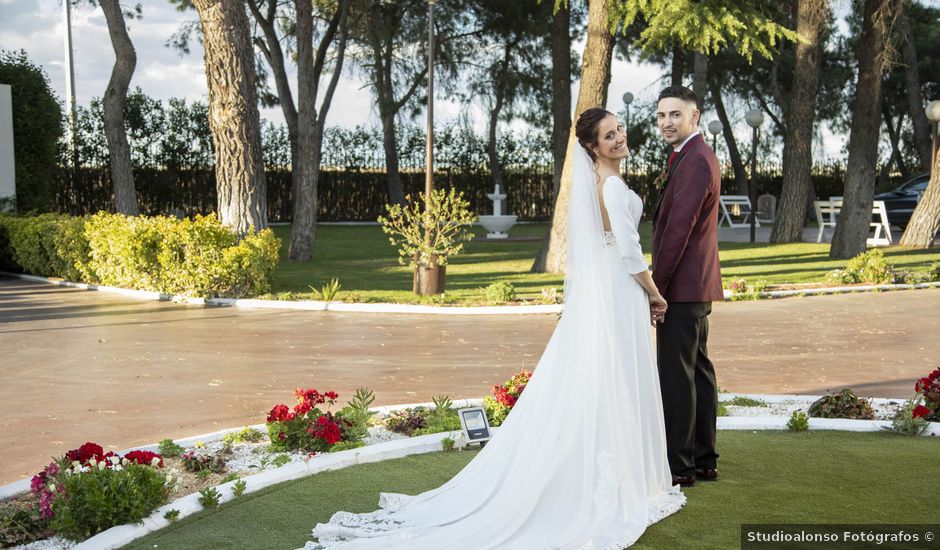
x,y
658,307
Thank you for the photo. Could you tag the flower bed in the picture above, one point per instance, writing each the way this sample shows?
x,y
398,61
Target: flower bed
x,y
303,433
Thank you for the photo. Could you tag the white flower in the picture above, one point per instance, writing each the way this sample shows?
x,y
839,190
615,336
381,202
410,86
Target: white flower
x,y
51,487
77,465
125,462
118,467
92,462
115,460
155,461
102,465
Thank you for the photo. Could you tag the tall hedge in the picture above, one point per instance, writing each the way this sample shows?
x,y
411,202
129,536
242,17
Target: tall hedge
x,y
198,257
37,128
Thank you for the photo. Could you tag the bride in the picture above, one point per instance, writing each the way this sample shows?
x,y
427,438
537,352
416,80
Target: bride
x,y
580,462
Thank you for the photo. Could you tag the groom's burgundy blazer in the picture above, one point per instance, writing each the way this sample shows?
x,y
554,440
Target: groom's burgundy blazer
x,y
685,227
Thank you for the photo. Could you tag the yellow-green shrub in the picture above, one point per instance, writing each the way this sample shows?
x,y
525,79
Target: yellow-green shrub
x,y
199,257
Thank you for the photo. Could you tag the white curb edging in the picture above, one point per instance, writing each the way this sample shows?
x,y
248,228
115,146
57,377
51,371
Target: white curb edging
x,y
355,307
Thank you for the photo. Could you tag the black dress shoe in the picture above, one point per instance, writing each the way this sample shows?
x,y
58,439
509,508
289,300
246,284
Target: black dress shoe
x,y
683,481
706,474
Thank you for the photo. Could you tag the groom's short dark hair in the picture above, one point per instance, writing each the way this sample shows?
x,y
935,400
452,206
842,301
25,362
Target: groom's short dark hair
x,y
680,92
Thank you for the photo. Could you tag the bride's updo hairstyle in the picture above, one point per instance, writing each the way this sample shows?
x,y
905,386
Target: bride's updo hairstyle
x,y
586,128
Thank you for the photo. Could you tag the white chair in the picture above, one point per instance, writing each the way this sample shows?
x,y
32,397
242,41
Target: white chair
x,y
826,214
736,205
828,211
880,223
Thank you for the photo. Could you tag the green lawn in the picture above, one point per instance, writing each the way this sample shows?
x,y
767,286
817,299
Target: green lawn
x,y
367,265
767,477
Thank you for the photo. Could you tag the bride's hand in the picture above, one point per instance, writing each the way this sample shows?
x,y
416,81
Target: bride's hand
x,y
658,307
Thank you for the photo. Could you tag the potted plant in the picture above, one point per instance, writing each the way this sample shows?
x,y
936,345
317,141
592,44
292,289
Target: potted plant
x,y
427,233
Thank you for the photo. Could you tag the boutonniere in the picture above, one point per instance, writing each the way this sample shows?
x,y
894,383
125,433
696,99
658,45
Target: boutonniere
x,y
661,180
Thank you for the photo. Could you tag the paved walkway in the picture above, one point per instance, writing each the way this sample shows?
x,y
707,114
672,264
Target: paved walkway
x,y
82,366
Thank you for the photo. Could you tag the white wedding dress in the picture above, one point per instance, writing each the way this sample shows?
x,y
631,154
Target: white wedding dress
x,y
580,462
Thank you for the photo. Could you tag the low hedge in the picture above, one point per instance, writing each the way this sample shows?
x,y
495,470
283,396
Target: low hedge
x,y
198,257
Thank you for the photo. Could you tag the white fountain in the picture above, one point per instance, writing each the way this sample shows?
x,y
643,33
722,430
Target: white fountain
x,y
497,225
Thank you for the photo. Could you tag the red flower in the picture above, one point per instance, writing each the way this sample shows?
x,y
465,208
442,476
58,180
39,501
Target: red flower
x,y
144,457
86,452
326,429
331,395
935,375
920,411
311,395
922,385
280,413
302,408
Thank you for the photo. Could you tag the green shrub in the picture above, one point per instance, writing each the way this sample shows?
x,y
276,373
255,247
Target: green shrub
x,y
20,522
168,449
844,404
37,127
238,488
172,515
198,257
209,497
244,435
798,422
442,418
100,499
905,423
499,292
868,267
407,421
358,414
742,401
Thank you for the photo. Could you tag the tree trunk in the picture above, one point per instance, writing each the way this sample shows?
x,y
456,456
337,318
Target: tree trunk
x,y
700,78
925,221
811,19
233,114
915,99
119,151
274,54
396,192
855,219
595,74
310,124
561,90
678,65
740,175
496,170
304,223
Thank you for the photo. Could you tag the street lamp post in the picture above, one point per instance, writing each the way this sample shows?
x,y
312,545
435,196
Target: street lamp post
x,y
627,100
429,154
933,115
754,119
714,128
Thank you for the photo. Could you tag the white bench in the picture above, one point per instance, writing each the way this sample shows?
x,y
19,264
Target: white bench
x,y
736,205
827,212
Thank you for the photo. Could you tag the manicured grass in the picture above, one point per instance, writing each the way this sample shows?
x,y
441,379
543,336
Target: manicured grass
x,y
767,477
367,265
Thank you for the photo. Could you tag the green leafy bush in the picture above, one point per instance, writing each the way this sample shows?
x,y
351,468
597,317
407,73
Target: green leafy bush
x,y
498,405
844,404
37,128
906,421
244,435
426,244
168,449
868,267
198,257
407,421
20,522
358,415
798,422
102,498
346,445
499,292
209,497
238,488
442,418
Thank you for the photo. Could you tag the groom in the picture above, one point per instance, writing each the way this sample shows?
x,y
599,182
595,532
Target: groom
x,y
685,268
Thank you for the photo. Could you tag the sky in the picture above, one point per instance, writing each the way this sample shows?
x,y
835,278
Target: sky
x,y
37,26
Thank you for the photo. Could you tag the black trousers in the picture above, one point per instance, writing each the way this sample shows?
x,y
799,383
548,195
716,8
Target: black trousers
x,y
687,381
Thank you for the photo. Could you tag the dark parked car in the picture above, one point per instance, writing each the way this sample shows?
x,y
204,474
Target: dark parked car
x,y
900,202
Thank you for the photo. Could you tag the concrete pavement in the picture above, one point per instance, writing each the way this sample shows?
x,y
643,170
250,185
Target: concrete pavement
x,y
80,366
